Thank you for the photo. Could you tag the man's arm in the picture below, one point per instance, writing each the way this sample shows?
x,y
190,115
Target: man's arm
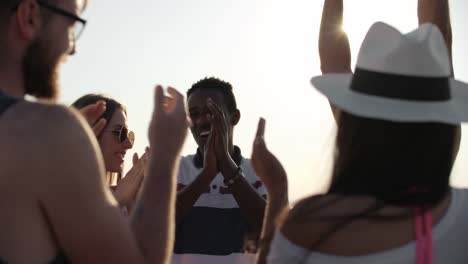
x,y
273,175
154,214
187,197
334,50
81,210
437,12
251,203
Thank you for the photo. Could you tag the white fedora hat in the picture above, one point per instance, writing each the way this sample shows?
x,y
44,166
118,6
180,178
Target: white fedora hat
x,y
402,78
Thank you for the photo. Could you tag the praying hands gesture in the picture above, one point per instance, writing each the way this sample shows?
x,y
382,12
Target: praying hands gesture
x,y
220,139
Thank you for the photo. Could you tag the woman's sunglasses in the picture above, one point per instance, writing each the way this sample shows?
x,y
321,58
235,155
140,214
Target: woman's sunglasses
x,y
123,133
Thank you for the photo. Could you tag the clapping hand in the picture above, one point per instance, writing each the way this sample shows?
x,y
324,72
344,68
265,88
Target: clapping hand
x,y
92,113
169,124
268,167
127,188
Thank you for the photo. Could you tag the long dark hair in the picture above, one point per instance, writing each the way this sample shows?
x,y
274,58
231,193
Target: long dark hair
x,y
400,164
405,164
111,106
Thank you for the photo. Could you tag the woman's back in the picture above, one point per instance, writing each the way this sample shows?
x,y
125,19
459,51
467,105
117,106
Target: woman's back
x,y
384,236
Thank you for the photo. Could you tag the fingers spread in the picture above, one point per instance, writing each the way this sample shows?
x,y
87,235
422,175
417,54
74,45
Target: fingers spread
x,y
175,94
169,104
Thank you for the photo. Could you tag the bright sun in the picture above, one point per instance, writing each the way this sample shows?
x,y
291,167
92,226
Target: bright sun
x,y
359,15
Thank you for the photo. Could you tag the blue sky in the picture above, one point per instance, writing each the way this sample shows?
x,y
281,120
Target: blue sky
x,y
267,49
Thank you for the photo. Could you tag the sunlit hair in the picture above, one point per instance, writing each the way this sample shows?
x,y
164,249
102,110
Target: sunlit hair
x,y
215,84
111,104
402,164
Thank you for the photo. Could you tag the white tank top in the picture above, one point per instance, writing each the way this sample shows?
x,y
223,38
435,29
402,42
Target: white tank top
x,y
450,243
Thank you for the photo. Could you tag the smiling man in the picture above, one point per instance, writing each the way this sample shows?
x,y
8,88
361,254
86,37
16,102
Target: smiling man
x,y
56,207
221,201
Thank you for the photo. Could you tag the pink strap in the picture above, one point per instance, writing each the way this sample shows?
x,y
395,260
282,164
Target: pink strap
x,y
423,230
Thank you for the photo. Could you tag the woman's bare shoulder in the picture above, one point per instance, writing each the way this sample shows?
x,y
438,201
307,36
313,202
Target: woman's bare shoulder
x,y
314,217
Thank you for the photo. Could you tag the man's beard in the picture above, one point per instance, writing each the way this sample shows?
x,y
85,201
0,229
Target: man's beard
x,y
40,71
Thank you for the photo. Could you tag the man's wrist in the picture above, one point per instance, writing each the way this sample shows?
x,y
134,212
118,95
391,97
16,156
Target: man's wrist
x,y
229,181
228,167
207,175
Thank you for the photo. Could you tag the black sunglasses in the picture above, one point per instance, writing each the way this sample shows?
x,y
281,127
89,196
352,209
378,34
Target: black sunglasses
x,y
123,134
79,25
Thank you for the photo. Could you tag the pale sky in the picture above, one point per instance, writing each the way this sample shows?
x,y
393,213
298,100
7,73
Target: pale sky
x,y
267,49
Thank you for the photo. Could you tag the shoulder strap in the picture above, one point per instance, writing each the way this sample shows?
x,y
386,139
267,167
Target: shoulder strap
x,y
423,234
6,101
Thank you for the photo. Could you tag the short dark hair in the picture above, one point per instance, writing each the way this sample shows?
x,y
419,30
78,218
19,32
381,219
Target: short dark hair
x,y
215,84
111,104
7,7
8,4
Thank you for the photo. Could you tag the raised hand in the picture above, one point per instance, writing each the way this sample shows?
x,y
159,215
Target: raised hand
x,y
210,165
220,129
268,167
168,128
153,217
334,49
128,187
273,175
92,113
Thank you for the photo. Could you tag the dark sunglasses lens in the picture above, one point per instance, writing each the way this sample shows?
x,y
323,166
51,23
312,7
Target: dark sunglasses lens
x,y
123,134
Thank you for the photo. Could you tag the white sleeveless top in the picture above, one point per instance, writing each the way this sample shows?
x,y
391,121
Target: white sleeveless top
x,y
450,240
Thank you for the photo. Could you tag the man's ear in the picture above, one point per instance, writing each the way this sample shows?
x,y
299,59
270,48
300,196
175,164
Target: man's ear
x,y
29,19
235,117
